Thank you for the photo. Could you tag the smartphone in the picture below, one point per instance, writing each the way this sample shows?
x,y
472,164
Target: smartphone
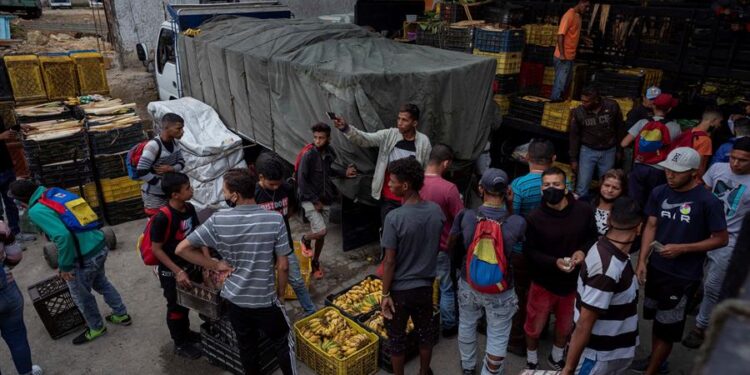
x,y
331,115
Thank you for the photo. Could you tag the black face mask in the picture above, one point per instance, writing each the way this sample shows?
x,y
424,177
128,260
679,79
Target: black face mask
x,y
553,195
230,203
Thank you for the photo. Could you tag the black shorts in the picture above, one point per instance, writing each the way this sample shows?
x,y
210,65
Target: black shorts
x,y
417,304
666,302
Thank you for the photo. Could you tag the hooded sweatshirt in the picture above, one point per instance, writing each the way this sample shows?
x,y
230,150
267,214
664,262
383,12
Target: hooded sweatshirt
x,y
91,242
553,234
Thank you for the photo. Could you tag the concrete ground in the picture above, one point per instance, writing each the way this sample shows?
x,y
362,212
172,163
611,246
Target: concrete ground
x,y
145,346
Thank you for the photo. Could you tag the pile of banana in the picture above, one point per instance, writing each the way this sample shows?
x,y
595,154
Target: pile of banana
x,y
361,298
333,335
376,324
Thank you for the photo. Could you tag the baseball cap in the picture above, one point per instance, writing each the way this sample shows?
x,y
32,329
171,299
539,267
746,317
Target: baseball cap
x,y
494,181
666,101
682,159
652,92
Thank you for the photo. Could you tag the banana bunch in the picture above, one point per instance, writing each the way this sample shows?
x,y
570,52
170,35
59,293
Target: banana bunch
x,y
377,324
333,335
361,298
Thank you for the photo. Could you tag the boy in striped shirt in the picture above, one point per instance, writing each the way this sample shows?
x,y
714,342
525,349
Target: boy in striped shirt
x,y
161,155
606,312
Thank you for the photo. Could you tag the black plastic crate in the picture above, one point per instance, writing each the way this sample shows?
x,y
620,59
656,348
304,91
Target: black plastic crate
x,y
430,38
509,40
331,297
116,140
526,109
458,39
619,85
509,15
111,166
55,306
124,211
452,12
505,84
219,345
412,341
539,54
65,174
73,147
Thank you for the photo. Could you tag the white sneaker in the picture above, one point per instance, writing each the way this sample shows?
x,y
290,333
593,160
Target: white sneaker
x,y
36,370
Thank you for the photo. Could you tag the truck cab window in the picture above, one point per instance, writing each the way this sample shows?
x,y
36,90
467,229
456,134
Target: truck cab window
x,y
165,52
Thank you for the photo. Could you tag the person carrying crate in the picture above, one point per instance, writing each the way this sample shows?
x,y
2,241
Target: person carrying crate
x,y
82,252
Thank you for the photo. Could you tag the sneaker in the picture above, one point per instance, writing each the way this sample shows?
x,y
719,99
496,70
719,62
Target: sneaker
x,y
450,332
89,335
469,372
306,247
694,339
640,366
36,370
531,366
557,366
123,320
189,351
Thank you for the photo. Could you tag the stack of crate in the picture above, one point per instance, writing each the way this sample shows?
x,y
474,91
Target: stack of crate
x,y
626,105
543,35
506,47
538,74
220,347
651,77
459,36
619,85
113,129
528,108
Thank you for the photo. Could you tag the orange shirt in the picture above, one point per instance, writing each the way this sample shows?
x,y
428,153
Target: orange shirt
x,y
703,145
570,27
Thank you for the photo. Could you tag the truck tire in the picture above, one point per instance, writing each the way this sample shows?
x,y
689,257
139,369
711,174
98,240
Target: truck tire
x,y
50,255
109,238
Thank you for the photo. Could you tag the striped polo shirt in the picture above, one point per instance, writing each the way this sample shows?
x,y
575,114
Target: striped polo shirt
x,y
607,285
247,237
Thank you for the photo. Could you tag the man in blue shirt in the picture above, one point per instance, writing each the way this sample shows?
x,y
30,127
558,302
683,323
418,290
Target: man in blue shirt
x,y
741,130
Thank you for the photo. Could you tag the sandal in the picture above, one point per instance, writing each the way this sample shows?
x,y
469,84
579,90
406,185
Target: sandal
x,y
306,247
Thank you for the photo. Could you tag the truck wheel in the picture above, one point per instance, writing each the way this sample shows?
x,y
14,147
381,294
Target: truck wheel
x,y
50,255
109,238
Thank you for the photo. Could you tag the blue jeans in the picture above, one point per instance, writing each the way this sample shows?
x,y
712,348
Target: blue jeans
x,y
298,284
562,77
717,263
447,294
589,161
6,177
12,327
499,310
92,275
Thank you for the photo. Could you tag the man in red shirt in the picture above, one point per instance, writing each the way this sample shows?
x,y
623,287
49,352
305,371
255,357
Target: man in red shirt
x,y
568,35
444,194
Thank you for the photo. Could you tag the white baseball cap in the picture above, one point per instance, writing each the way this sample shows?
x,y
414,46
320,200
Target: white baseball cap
x,y
652,92
682,159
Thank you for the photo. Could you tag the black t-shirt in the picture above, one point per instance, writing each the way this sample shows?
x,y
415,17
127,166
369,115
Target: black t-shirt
x,y
183,223
276,201
684,217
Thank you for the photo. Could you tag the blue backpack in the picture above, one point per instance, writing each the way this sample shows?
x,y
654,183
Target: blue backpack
x,y
74,212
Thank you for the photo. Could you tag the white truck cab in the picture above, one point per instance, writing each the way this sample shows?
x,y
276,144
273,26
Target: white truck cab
x,y
186,14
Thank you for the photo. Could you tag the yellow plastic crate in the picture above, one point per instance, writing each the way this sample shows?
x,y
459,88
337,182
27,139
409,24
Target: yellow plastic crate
x,y
362,362
92,77
651,77
507,62
305,265
113,190
626,104
556,116
60,78
25,75
541,34
503,102
549,76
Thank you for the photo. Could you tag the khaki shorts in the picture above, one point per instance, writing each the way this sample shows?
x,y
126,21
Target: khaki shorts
x,y
318,219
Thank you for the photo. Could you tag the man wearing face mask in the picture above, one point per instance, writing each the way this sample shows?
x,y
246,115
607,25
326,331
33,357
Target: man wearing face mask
x,y
249,238
556,236
684,222
606,314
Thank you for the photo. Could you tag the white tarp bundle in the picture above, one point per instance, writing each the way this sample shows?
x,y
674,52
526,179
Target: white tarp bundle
x,y
209,148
